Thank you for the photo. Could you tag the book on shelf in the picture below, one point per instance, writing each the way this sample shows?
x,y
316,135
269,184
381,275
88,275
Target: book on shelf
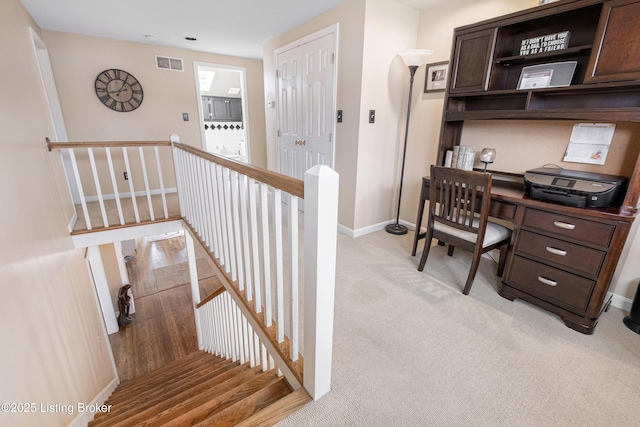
x,y
460,157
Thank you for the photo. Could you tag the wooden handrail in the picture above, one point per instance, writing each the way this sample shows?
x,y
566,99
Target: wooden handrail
x,y
106,144
211,296
285,183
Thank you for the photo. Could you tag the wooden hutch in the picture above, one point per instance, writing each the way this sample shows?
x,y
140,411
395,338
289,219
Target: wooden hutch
x,y
486,65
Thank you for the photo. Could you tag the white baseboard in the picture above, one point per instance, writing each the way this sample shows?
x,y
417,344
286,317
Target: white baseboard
x,y
621,302
83,418
362,231
128,195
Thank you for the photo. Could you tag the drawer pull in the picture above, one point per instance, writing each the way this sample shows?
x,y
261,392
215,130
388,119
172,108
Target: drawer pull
x,y
564,225
556,251
547,281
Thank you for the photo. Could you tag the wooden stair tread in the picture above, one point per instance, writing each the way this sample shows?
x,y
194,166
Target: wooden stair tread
x,y
205,390
278,410
204,406
249,406
174,380
186,364
140,409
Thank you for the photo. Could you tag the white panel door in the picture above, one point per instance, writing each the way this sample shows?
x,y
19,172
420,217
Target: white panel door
x,y
317,96
289,113
306,106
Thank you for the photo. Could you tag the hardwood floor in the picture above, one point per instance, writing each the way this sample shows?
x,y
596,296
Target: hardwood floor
x,y
163,326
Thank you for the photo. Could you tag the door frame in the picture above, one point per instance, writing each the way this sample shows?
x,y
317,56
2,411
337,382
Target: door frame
x,y
245,98
332,29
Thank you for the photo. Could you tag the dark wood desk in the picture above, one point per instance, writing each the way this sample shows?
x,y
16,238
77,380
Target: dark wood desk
x,y
560,258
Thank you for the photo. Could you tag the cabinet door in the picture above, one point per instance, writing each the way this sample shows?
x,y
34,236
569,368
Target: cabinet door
x,y
235,109
220,108
616,51
206,108
472,61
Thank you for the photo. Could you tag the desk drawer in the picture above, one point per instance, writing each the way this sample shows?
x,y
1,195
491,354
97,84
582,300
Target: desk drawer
x,y
551,284
580,258
593,232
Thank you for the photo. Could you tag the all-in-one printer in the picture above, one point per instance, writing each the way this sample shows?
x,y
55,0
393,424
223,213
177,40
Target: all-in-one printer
x,y
574,188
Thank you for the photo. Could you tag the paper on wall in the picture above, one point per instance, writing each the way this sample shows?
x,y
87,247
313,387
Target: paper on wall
x,y
589,143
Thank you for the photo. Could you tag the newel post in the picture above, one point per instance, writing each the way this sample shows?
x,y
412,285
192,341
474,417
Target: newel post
x,y
193,278
320,238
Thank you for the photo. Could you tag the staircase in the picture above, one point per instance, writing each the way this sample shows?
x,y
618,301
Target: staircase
x,y
204,390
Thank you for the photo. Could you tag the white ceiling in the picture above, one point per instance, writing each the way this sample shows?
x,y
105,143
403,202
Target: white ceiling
x,y
230,27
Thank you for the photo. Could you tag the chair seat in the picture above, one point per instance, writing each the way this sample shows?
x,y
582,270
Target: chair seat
x,y
494,233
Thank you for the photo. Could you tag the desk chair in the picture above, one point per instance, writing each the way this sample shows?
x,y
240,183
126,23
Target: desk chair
x,y
455,220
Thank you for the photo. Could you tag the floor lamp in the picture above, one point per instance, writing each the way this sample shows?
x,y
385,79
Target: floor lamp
x,y
413,59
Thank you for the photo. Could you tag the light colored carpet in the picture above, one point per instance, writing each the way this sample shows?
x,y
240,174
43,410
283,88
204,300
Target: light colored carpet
x,y
411,350
178,274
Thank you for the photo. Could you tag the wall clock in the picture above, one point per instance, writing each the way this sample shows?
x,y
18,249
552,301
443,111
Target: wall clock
x,y
119,90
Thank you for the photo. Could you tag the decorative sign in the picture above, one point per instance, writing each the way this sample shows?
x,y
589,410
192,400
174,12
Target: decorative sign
x,y
548,43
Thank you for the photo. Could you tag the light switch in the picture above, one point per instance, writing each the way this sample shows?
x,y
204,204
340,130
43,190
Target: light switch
x,y
372,116
339,116
185,117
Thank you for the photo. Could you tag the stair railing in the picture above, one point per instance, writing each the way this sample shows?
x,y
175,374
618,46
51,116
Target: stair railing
x,y
93,172
227,333
247,219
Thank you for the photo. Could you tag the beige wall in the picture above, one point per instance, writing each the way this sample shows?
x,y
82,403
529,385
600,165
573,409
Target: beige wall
x,y
350,17
389,28
53,348
78,59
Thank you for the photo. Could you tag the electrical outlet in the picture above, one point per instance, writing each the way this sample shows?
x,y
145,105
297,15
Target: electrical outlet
x,y
126,176
372,116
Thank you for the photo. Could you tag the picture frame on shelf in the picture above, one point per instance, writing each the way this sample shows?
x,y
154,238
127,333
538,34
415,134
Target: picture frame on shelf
x,y
436,77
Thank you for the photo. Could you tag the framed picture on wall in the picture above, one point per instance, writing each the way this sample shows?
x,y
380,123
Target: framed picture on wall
x,y
436,77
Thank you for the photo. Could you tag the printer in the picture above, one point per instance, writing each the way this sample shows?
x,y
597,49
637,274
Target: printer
x,y
574,188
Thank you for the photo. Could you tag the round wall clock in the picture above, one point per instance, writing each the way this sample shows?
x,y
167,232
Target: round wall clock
x,y
119,90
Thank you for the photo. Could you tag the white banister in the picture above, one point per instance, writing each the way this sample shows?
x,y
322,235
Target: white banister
x,y
320,239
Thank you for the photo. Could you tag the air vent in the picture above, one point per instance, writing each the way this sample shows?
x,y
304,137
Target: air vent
x,y
167,63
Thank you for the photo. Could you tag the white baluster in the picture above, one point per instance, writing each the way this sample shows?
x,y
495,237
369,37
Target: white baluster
x,y
293,265
146,183
76,174
254,245
233,176
223,216
96,180
244,210
226,178
131,188
208,206
266,263
114,183
216,213
277,219
161,179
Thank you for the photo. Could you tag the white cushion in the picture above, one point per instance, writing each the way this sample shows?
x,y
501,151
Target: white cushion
x,y
494,233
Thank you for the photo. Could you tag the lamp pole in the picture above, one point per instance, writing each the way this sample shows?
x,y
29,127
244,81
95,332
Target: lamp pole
x,y
397,228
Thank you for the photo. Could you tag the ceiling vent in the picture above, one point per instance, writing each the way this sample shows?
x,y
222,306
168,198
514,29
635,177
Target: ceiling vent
x,y
167,63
